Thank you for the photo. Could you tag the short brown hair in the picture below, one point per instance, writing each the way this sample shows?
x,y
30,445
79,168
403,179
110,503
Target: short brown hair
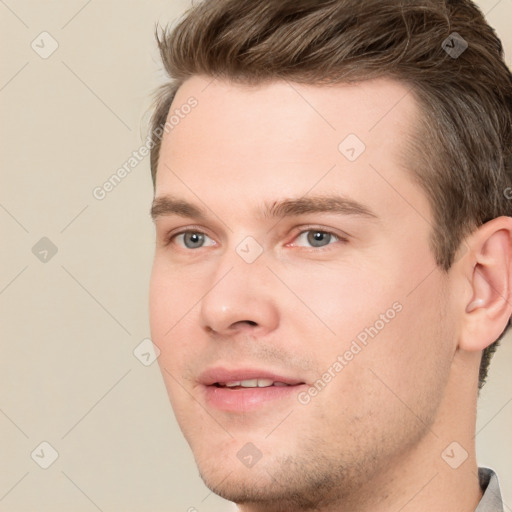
x,y
461,151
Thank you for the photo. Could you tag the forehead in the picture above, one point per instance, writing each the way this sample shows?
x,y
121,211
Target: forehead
x,y
368,109
283,139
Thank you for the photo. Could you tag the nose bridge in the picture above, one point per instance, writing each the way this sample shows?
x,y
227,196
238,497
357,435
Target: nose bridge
x,y
239,291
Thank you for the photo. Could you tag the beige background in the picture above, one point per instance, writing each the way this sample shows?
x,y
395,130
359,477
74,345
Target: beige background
x,y
69,326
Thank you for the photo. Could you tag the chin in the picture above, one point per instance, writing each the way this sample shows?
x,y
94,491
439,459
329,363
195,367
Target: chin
x,y
275,483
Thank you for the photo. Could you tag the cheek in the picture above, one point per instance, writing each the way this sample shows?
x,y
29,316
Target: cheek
x,y
409,361
160,304
169,323
172,293
174,302
347,298
394,382
169,302
394,321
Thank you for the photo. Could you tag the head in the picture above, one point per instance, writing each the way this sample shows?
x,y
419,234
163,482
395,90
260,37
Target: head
x,y
373,125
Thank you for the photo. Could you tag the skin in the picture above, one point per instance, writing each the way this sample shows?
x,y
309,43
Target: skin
x,y
373,438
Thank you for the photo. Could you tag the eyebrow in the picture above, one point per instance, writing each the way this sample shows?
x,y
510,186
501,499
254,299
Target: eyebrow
x,y
167,205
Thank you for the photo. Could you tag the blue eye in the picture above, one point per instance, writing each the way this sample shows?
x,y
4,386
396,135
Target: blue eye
x,y
318,238
192,239
315,238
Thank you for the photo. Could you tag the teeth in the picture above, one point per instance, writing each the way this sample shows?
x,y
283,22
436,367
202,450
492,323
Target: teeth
x,y
253,383
264,383
250,383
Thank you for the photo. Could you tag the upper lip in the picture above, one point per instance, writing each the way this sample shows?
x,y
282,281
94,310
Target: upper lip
x,y
219,374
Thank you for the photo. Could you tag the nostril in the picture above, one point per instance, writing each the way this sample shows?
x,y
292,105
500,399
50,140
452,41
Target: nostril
x,y
247,322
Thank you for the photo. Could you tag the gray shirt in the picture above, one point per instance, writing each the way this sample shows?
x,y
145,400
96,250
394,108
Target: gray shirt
x,y
491,500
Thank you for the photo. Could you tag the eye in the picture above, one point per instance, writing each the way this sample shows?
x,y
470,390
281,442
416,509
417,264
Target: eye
x,y
192,239
317,238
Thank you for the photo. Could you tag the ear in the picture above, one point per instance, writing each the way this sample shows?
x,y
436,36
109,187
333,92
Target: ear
x,y
487,269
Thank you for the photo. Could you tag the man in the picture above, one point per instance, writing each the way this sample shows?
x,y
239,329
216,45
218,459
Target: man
x,y
333,256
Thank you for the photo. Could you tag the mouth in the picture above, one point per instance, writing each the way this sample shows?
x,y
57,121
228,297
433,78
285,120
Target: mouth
x,y
252,383
247,390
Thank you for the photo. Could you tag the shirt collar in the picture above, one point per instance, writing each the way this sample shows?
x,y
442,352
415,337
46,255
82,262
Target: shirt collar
x,y
491,500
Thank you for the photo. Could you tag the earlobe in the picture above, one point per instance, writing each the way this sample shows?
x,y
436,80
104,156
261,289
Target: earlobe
x,y
489,274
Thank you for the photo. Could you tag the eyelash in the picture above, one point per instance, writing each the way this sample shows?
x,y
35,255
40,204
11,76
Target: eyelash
x,y
307,229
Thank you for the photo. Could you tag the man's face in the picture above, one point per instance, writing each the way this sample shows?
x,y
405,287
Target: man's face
x,y
345,305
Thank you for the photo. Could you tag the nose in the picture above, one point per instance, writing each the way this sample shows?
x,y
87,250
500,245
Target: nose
x,y
240,299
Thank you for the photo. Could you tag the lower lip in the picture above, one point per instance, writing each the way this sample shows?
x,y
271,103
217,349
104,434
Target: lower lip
x,y
248,399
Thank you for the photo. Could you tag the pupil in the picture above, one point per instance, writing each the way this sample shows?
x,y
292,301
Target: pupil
x,y
193,239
